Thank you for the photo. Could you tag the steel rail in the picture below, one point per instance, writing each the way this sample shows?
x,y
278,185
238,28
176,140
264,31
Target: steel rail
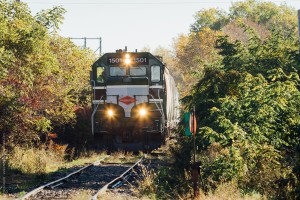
x,y
105,187
35,191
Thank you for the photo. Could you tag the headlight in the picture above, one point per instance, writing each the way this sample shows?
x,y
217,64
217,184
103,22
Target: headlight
x,y
142,112
110,113
127,59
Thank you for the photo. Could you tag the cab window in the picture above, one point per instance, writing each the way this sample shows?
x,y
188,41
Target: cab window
x,y
117,71
155,73
100,75
137,71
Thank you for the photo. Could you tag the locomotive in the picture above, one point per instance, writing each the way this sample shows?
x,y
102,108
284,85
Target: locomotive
x,y
134,101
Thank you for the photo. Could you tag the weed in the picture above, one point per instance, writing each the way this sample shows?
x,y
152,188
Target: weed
x,y
147,184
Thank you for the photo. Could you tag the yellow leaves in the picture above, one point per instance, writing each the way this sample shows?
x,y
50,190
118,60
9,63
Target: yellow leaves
x,y
193,52
294,120
215,110
283,102
19,24
180,43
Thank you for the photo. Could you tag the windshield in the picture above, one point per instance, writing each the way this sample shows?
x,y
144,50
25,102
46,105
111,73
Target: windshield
x,y
117,71
133,71
137,71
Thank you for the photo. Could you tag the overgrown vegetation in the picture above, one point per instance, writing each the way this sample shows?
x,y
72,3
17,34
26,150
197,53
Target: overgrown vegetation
x,y
34,161
32,167
239,69
242,70
44,89
44,77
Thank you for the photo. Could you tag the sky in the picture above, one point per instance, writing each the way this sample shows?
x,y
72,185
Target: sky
x,y
137,24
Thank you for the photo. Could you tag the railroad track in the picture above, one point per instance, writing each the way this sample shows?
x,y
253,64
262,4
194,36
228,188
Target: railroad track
x,y
117,181
93,180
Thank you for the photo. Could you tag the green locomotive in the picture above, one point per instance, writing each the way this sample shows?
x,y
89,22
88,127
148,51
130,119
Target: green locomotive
x,y
135,101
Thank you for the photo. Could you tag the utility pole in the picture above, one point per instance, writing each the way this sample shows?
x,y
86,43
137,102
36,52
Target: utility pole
x,y
196,165
85,43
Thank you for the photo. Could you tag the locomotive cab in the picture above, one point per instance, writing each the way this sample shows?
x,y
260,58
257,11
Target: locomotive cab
x,y
130,101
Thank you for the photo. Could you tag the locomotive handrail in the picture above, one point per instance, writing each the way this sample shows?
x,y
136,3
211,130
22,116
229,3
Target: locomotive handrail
x,y
159,108
94,90
93,114
163,113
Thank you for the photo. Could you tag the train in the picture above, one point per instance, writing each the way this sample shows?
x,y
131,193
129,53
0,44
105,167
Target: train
x,y
135,102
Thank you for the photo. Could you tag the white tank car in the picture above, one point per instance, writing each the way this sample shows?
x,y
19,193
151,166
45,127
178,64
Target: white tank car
x,y
172,104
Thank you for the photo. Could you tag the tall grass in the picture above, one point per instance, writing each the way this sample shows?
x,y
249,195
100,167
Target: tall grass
x,y
123,157
229,191
6,197
79,195
33,161
149,186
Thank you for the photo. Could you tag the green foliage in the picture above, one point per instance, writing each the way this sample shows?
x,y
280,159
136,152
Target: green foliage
x,y
212,18
51,18
44,77
264,12
247,103
249,116
193,53
33,161
257,11
261,12
278,52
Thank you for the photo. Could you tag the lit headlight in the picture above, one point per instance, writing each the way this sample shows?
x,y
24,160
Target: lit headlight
x,y
142,112
110,113
127,59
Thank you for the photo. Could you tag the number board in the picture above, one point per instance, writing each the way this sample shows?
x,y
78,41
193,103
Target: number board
x,y
139,60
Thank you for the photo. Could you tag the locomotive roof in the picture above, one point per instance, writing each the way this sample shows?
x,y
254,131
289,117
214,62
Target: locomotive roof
x,y
103,58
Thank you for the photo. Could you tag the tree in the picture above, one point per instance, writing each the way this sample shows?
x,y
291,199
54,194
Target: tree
x,y
246,98
45,77
249,119
212,18
266,13
51,18
193,53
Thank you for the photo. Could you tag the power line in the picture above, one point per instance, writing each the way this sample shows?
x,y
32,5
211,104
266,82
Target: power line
x,y
129,3
149,3
165,2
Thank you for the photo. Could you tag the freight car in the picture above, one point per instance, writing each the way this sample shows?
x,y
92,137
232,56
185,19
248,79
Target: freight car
x,y
134,101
